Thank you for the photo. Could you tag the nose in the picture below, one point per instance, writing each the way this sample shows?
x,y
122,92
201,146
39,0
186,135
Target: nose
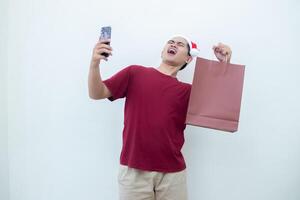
x,y
173,45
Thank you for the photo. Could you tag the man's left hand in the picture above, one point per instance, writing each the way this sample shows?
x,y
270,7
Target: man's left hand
x,y
222,52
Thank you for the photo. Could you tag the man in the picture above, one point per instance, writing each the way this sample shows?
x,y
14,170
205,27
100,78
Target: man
x,y
151,163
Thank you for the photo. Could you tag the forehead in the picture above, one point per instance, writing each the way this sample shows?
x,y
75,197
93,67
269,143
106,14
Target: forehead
x,y
179,39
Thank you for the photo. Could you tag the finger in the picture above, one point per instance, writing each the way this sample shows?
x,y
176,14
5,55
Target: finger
x,y
219,50
225,51
100,45
216,49
104,40
100,51
100,54
107,48
228,52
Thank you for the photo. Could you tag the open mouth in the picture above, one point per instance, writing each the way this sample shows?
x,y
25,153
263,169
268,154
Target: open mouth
x,y
172,51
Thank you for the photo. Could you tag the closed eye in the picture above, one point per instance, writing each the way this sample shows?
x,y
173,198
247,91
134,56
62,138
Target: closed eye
x,y
181,44
171,42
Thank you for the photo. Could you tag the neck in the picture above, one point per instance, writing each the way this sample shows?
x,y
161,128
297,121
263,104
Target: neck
x,y
168,69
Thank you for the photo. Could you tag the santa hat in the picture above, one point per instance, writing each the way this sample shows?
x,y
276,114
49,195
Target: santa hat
x,y
194,51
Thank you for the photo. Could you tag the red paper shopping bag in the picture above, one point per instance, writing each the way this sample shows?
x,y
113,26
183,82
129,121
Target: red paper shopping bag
x,y
216,95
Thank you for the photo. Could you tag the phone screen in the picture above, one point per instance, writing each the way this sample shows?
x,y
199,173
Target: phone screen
x,y
105,34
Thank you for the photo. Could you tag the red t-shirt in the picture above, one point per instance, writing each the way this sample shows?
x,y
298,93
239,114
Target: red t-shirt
x,y
154,121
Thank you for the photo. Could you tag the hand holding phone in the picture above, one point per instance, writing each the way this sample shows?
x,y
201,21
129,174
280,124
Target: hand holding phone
x,y
105,35
102,48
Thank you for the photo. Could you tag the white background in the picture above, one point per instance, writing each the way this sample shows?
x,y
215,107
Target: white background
x,y
57,144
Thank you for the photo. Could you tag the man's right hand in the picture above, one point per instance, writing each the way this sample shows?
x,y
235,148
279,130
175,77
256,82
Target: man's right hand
x,y
101,47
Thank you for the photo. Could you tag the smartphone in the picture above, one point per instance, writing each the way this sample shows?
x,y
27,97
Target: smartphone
x,y
105,34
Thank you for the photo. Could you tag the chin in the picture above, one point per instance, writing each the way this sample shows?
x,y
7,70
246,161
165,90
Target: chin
x,y
169,61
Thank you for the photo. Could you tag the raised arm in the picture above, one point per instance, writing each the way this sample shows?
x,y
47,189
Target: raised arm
x,y
97,89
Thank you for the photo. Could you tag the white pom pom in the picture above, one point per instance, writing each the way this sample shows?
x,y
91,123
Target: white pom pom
x,y
194,52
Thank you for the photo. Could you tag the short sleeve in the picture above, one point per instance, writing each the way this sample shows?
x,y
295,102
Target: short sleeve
x,y
118,84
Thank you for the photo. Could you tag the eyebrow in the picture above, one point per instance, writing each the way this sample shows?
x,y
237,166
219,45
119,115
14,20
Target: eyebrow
x,y
179,43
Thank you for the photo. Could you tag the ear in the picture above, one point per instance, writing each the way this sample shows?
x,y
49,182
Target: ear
x,y
190,58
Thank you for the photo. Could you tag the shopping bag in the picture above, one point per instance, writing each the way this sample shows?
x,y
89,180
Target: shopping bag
x,y
216,95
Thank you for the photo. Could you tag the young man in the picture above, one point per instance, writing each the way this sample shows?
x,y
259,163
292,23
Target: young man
x,y
151,163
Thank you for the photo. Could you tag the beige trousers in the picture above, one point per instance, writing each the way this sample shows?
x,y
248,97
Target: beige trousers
x,y
137,184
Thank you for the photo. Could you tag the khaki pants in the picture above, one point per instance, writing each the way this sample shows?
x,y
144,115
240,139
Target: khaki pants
x,y
137,184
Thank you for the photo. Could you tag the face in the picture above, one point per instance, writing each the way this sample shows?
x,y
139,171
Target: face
x,y
175,52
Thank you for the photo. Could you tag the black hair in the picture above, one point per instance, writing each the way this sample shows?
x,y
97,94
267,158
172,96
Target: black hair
x,y
185,64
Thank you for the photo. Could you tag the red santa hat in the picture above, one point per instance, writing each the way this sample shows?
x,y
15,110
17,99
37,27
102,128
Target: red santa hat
x,y
194,51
